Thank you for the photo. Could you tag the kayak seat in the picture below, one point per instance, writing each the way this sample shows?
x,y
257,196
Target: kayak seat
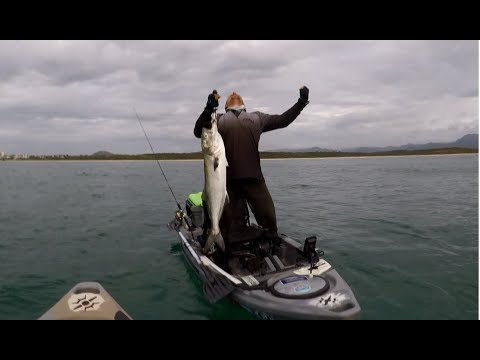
x,y
245,234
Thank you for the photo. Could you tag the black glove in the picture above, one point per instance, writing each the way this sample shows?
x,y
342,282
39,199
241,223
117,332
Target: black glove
x,y
304,94
212,101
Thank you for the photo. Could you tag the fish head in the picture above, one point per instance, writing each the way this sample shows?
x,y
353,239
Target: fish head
x,y
209,138
209,125
214,120
206,138
210,135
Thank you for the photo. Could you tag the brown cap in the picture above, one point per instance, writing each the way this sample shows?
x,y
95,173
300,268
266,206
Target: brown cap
x,y
233,100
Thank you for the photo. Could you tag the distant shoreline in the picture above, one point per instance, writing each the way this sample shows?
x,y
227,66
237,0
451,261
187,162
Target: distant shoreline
x,y
367,157
274,159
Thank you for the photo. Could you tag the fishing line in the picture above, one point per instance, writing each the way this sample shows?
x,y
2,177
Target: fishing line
x,y
160,166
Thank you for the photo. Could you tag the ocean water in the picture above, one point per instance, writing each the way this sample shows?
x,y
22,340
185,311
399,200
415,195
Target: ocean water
x,y
402,231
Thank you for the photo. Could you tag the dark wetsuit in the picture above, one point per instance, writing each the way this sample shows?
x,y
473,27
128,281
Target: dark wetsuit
x,y
241,132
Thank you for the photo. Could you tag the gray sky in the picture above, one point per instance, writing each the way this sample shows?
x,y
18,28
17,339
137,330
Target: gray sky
x,y
77,97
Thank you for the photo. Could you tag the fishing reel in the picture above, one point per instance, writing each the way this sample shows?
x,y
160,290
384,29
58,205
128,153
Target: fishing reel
x,y
179,215
176,223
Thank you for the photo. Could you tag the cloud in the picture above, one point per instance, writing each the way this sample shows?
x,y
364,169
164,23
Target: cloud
x,y
78,97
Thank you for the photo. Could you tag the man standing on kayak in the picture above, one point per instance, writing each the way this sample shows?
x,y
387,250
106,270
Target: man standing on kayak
x,y
241,131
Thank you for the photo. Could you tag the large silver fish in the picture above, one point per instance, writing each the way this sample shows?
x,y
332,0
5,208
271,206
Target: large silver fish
x,y
215,186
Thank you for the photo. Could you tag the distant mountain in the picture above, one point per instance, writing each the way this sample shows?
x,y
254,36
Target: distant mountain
x,y
469,141
103,154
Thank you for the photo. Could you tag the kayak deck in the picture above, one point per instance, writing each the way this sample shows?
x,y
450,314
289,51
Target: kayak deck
x,y
86,301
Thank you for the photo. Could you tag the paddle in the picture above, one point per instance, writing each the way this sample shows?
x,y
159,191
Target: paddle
x,y
217,283
216,286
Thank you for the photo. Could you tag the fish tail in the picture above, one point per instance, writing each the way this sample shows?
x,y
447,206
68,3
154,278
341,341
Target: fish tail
x,y
215,238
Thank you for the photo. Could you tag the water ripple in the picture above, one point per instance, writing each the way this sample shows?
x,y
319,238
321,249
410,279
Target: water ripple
x,y
403,232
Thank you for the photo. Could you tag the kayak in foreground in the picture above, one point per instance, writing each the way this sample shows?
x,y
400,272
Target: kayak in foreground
x,y
86,301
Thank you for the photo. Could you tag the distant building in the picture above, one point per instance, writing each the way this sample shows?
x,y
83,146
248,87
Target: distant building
x,y
2,154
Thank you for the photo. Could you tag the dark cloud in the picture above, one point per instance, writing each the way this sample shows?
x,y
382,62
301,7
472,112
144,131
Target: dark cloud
x,y
78,96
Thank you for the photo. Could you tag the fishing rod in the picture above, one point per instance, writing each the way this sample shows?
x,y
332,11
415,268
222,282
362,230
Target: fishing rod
x,y
160,166
180,215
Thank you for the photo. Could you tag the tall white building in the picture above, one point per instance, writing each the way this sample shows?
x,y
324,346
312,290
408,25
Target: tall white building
x,y
2,154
